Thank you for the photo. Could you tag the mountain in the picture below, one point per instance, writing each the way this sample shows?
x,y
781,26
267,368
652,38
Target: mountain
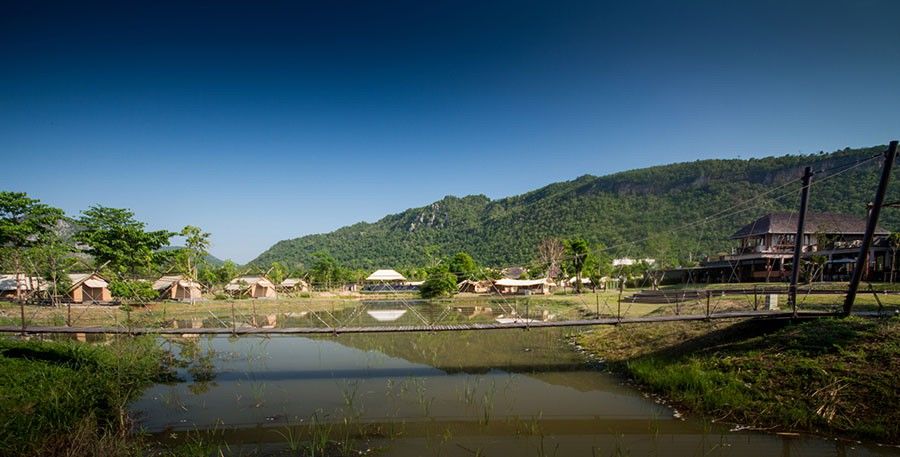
x,y
634,213
210,259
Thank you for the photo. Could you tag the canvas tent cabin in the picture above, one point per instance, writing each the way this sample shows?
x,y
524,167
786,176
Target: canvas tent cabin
x,y
88,288
469,286
252,287
294,285
176,287
26,285
523,286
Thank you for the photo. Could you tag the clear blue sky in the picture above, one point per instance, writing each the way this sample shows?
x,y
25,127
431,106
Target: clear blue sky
x,y
262,123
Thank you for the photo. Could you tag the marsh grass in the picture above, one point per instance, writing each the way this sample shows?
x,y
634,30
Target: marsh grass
x,y
68,398
835,376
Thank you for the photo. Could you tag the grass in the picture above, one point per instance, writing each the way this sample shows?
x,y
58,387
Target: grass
x,y
67,398
832,376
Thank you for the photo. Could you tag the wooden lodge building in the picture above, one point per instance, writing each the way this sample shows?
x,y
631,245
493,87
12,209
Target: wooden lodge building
x,y
251,287
88,288
508,286
176,287
765,249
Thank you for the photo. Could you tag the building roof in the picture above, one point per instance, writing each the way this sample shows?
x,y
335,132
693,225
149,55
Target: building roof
x,y
92,280
385,275
25,283
506,282
291,282
786,223
166,282
243,282
584,280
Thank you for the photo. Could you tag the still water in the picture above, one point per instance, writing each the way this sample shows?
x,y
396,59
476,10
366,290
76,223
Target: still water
x,y
509,392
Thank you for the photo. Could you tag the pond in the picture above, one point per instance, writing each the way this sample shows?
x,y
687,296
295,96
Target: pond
x,y
504,392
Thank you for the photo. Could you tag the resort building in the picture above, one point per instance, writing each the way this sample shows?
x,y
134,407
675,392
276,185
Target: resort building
x,y
475,287
178,288
294,285
765,249
524,286
389,281
251,287
26,285
88,288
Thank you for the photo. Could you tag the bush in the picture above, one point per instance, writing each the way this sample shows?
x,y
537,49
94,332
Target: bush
x,y
440,283
133,290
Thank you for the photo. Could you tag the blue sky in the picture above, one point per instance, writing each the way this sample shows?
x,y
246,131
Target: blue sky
x,y
267,122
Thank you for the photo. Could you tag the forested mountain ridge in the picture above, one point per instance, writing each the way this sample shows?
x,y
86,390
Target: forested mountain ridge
x,y
633,212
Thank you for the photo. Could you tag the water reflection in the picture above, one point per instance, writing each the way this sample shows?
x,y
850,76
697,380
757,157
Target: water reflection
x,y
504,392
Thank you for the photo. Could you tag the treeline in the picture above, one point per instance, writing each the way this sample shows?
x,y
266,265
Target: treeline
x,y
632,214
38,240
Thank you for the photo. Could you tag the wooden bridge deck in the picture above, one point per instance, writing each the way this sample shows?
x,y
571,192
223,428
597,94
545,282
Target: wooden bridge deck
x,y
411,328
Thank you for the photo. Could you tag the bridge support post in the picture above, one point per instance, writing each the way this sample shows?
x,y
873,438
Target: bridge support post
x,y
798,240
22,314
871,224
708,297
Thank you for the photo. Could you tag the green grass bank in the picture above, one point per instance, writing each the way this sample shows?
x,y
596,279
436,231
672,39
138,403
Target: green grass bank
x,y
69,398
827,376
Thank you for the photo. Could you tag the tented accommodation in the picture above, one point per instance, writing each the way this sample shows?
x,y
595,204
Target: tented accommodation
x,y
26,285
474,287
294,285
386,276
252,287
524,286
387,281
88,288
176,287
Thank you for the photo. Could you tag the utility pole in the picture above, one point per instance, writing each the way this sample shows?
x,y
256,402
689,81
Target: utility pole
x,y
861,259
798,239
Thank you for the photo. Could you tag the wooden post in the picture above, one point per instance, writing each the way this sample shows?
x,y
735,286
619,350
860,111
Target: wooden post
x,y
68,314
755,298
22,312
708,295
233,320
527,325
598,306
861,260
128,317
798,239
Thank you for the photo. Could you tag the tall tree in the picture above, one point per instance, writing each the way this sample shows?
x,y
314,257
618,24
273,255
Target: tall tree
x,y
196,244
115,238
550,254
577,252
463,266
24,222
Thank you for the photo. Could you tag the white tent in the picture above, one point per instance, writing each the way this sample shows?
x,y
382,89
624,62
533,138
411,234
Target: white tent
x,y
386,315
385,275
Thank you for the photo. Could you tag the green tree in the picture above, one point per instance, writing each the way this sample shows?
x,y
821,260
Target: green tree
x,y
463,266
226,272
577,252
24,222
115,238
196,245
440,282
325,269
277,273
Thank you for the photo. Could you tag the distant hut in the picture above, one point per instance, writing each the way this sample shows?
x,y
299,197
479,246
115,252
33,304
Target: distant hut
x,y
252,287
176,287
294,285
524,286
474,287
26,285
88,288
